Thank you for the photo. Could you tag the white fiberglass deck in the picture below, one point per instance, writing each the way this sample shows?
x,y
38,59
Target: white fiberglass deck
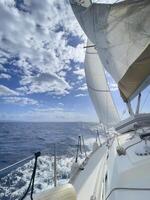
x,y
87,182
128,175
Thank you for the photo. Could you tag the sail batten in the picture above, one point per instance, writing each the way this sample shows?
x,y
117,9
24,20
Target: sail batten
x,y
98,88
121,33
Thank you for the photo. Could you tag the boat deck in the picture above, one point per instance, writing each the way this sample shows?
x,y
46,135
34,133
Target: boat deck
x,y
88,181
127,175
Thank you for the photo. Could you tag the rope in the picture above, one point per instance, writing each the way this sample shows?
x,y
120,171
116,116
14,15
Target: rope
x,y
79,148
31,184
97,137
77,154
133,145
80,145
84,146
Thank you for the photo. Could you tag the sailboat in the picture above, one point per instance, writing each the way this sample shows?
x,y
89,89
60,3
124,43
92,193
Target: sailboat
x,y
119,43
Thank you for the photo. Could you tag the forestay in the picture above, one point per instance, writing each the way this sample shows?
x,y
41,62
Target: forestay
x,y
98,88
121,33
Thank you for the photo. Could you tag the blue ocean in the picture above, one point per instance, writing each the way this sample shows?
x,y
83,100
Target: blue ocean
x,y
19,140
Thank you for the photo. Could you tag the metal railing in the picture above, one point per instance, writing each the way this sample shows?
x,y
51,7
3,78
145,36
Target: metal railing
x,y
77,153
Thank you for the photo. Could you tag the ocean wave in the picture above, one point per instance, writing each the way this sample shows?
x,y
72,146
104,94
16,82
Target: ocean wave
x,y
35,137
15,183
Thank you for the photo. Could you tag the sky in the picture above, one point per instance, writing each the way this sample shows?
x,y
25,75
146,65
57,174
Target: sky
x,y
42,64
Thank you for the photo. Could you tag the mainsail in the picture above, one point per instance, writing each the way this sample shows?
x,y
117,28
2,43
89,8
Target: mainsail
x,y
98,88
121,33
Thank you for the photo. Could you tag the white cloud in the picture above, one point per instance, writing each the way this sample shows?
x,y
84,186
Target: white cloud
x,y
80,95
83,87
4,76
45,82
48,114
113,87
80,73
60,104
37,34
19,101
5,91
2,59
2,68
112,84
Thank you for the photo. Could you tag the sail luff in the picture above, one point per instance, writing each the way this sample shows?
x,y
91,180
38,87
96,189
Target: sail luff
x,y
98,88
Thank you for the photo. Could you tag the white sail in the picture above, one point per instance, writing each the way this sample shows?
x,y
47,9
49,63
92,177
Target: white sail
x,y
121,33
98,88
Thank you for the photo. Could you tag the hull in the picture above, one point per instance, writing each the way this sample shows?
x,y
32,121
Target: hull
x,y
87,182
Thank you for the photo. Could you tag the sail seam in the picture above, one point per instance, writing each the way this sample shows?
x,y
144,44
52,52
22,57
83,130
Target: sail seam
x,y
97,90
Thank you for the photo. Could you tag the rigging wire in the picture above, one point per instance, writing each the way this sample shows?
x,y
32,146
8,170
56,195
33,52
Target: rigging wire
x,y
36,155
43,152
17,163
123,113
116,1
133,144
147,96
80,148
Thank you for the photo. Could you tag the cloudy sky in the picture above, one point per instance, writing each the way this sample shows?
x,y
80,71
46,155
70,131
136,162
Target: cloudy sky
x,y
41,63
